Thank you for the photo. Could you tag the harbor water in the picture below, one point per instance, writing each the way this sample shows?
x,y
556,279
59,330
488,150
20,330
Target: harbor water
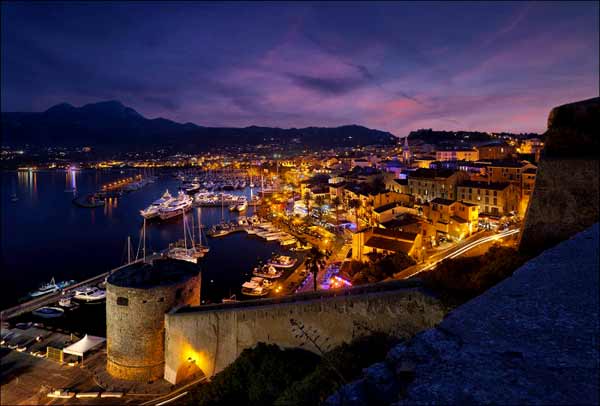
x,y
45,235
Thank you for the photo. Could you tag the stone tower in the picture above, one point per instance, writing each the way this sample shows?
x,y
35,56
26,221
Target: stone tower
x,y
137,298
566,195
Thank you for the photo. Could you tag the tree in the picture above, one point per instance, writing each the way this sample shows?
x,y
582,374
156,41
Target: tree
x,y
314,262
320,201
355,204
336,201
306,198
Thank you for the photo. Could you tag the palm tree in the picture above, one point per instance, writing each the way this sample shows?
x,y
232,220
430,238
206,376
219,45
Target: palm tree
x,y
306,198
320,201
336,201
355,204
314,261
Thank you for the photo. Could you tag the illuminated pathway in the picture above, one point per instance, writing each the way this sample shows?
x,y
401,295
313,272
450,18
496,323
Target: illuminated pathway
x,y
454,252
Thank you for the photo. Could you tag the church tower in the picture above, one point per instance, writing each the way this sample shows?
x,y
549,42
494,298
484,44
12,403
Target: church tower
x,y
406,154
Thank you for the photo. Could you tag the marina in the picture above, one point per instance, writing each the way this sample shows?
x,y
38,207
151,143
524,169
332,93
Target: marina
x,y
106,228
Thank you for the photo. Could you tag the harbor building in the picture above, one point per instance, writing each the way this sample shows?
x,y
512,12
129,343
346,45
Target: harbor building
x,y
137,298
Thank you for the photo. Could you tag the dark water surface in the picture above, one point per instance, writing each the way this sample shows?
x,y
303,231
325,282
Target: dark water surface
x,y
45,235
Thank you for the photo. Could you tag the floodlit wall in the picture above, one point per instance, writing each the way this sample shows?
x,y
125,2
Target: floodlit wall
x,y
212,339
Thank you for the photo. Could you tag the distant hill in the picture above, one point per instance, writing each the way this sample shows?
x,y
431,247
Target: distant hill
x,y
111,125
441,138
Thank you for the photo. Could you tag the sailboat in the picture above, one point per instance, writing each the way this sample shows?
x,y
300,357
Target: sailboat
x,y
183,253
200,246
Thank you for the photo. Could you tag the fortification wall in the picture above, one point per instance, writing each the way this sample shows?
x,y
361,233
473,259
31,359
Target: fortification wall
x,y
135,330
566,196
212,339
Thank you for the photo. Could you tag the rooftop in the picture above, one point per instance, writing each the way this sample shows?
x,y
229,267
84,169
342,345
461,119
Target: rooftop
x,y
484,185
160,272
388,244
386,207
425,173
399,235
444,202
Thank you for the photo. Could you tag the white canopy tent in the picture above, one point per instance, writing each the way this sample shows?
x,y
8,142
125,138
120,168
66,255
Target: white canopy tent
x,y
84,345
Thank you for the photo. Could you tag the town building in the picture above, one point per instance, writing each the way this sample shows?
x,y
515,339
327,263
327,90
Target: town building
x,y
428,184
508,171
457,155
449,219
527,184
496,151
385,241
493,198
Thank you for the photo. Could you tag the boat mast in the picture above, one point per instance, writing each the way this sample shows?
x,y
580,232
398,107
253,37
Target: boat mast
x,y
193,232
199,227
144,240
128,249
222,206
184,236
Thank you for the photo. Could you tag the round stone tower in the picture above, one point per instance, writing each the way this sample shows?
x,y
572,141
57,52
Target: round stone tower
x,y
137,298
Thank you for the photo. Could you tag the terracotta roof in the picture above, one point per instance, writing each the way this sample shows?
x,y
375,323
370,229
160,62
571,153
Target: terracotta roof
x,y
389,244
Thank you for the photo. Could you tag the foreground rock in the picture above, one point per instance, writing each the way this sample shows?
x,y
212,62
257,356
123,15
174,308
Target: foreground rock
x,y
532,339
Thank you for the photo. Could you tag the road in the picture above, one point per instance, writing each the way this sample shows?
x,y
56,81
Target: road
x,y
475,241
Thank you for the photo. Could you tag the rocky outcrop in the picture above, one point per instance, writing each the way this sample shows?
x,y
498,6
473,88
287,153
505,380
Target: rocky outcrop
x,y
566,195
532,339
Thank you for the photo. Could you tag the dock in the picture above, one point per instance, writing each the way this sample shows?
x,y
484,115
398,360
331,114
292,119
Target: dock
x,y
48,299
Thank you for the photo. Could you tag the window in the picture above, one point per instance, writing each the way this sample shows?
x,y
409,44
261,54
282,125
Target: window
x,y
495,201
122,301
178,293
162,299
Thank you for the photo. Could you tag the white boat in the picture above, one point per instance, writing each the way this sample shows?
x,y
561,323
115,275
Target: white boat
x,y
46,288
256,287
48,312
243,206
90,294
267,271
175,208
283,261
154,209
67,303
184,254
273,236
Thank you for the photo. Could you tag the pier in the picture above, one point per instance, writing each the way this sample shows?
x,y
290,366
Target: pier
x,y
48,299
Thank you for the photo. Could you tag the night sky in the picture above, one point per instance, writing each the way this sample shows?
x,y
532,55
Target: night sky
x,y
391,66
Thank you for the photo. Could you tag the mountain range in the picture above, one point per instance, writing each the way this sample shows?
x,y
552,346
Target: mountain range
x,y
111,125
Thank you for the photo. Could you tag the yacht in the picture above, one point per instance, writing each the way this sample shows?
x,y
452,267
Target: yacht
x,y
185,254
267,271
243,206
191,188
154,209
66,303
283,261
256,287
176,207
90,294
51,287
